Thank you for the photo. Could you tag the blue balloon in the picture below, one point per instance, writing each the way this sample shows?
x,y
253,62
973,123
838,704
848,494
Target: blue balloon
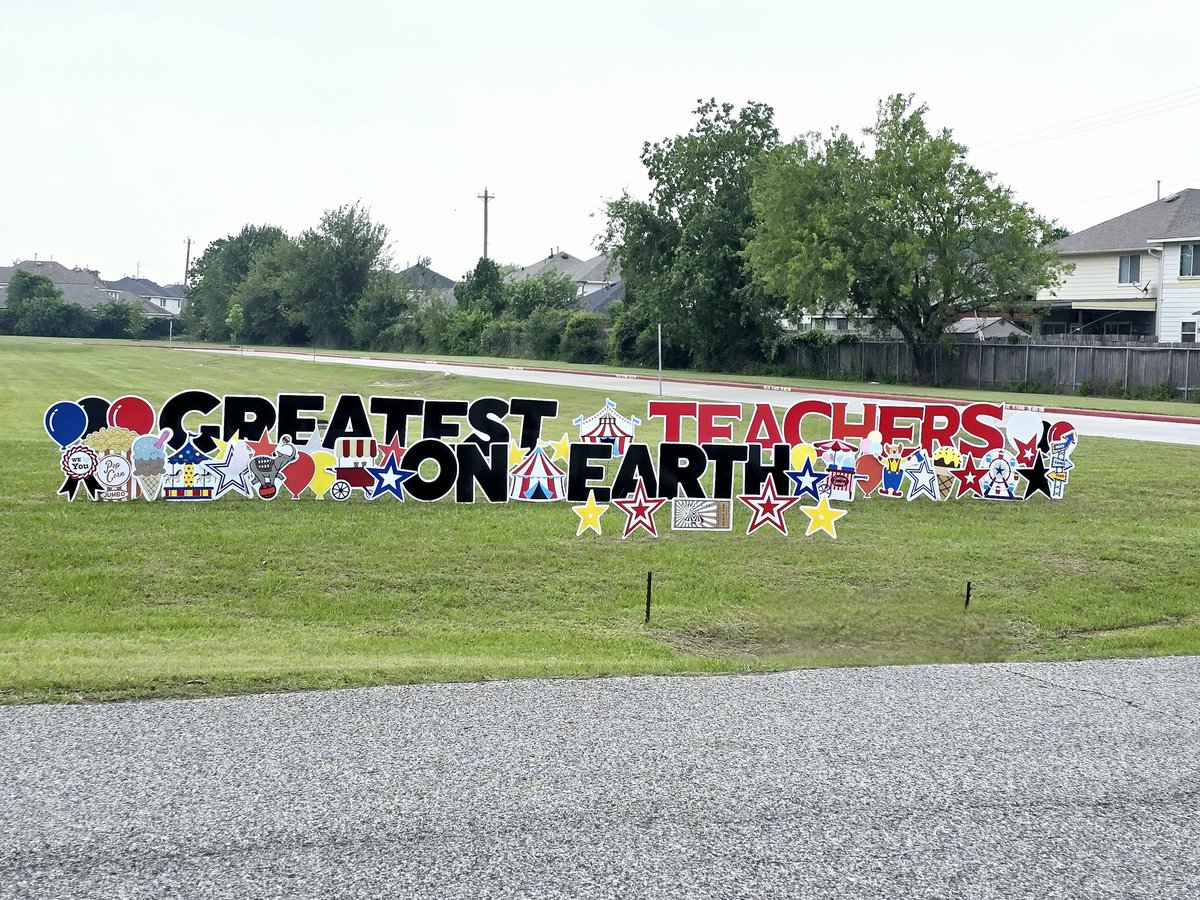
x,y
65,423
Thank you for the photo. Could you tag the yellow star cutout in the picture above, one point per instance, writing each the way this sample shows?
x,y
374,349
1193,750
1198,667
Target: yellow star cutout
x,y
561,447
515,454
589,515
822,518
223,446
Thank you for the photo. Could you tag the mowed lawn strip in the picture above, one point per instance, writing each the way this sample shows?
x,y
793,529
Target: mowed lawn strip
x,y
1176,407
105,601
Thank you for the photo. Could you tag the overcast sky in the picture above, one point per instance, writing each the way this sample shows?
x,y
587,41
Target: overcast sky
x,y
130,126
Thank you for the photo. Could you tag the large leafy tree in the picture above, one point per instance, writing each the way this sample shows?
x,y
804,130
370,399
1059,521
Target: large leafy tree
x,y
216,275
546,290
334,266
482,289
387,302
907,232
680,251
263,296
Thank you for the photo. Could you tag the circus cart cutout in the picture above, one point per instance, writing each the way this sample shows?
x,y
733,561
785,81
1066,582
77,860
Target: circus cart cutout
x,y
607,426
537,478
354,455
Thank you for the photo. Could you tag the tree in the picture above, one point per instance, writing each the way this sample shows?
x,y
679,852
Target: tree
x,y
546,290
217,274
482,289
383,304
542,331
36,307
26,286
680,251
234,321
909,234
334,265
263,296
584,339
119,319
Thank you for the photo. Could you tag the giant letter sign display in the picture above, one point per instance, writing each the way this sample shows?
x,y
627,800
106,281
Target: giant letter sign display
x,y
715,459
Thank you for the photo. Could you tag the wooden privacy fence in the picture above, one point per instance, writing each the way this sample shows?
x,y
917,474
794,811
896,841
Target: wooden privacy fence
x,y
1056,368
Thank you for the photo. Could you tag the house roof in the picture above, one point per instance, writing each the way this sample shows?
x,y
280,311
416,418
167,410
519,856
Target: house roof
x,y
1175,216
55,271
597,269
144,287
599,301
424,277
88,294
990,326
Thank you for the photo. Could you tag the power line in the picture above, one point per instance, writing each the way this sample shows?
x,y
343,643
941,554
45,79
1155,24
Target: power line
x,y
1120,115
1167,189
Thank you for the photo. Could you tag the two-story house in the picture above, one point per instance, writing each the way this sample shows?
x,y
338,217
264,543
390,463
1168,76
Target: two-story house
x,y
1137,274
598,278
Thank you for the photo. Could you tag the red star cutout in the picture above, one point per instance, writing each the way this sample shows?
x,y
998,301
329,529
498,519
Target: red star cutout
x,y
639,511
1026,451
392,450
263,446
968,477
768,508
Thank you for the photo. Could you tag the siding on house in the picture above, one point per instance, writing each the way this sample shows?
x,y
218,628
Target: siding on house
x,y
1096,278
1181,297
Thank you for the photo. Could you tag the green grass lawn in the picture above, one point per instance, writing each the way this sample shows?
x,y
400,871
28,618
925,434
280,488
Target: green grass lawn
x,y
1163,407
150,599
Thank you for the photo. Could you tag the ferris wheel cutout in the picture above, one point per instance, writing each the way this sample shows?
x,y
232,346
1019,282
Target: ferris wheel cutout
x,y
1000,482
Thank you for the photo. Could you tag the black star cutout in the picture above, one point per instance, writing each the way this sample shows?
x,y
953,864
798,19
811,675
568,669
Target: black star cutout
x,y
1035,478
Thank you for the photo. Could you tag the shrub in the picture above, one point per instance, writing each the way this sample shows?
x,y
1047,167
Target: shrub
x,y
584,339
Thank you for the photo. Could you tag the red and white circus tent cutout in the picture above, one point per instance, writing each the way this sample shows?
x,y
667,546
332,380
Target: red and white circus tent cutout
x,y
537,478
607,426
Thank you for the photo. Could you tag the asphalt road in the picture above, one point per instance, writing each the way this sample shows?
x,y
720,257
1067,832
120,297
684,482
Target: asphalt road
x,y
1088,424
1047,780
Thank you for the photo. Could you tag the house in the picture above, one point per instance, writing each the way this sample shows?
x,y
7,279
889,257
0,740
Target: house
x,y
426,285
171,298
1137,274
986,326
79,285
599,275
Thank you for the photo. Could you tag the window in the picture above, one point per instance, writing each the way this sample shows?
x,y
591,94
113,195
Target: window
x,y
1189,259
843,325
1130,270
1187,332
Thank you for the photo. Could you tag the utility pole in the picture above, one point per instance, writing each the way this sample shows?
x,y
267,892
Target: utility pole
x,y
187,263
485,197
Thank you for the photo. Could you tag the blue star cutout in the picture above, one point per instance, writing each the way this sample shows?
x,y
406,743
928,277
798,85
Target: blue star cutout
x,y
389,479
807,481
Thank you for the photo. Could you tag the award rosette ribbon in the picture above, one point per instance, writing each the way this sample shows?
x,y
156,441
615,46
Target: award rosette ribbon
x,y
79,465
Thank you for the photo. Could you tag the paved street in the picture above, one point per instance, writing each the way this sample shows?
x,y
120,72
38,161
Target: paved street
x,y
1015,780
1088,424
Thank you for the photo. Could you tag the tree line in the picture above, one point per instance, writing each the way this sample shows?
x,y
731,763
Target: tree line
x,y
37,307
740,237
334,286
742,234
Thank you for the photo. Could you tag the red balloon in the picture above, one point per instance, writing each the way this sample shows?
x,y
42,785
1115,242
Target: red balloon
x,y
298,473
133,413
873,469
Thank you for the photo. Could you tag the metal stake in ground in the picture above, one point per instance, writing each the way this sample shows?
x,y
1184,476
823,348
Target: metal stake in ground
x,y
649,589
968,603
